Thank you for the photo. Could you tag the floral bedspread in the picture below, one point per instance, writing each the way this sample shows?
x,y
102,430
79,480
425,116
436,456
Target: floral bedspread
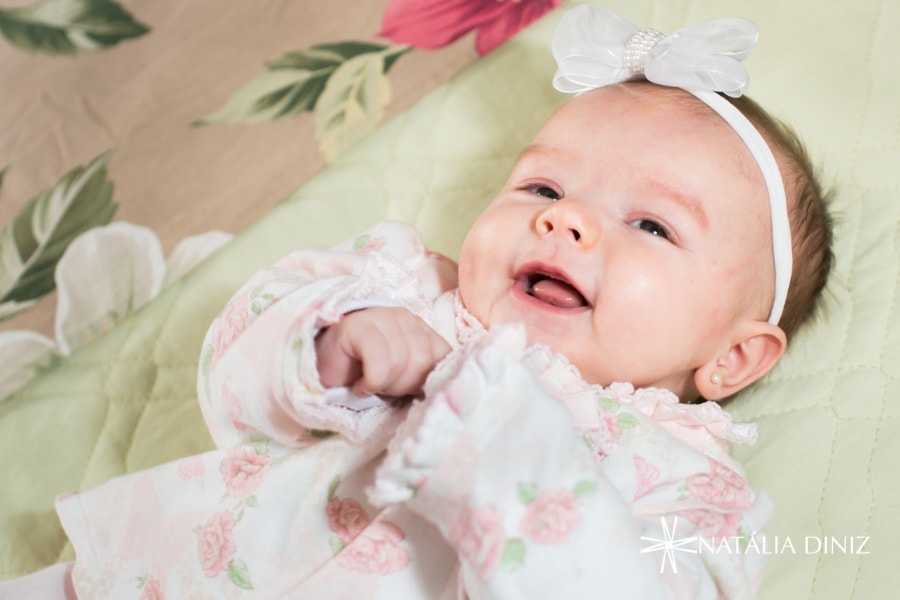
x,y
138,136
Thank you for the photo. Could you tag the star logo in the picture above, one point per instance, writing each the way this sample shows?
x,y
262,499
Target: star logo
x,y
669,545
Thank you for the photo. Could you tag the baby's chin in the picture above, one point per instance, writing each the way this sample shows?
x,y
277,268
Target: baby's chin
x,y
597,371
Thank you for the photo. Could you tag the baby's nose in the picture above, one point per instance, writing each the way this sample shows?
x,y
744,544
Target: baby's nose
x,y
557,219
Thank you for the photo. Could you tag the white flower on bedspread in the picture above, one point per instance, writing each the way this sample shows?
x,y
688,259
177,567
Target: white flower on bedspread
x,y
22,354
105,274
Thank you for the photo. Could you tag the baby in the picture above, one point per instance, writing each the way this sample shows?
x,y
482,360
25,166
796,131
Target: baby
x,y
616,245
636,240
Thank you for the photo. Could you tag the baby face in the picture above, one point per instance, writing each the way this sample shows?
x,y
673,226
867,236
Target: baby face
x,y
633,236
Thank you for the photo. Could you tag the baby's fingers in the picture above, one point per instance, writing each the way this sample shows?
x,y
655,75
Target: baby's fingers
x,y
425,349
399,366
382,366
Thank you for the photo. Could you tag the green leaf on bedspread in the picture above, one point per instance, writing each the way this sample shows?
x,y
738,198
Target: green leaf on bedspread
x,y
33,242
69,26
353,101
344,83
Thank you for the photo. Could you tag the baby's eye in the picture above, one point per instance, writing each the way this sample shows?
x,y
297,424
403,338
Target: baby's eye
x,y
651,227
546,192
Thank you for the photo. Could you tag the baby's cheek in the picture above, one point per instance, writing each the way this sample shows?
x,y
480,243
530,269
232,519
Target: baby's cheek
x,y
475,278
471,295
593,368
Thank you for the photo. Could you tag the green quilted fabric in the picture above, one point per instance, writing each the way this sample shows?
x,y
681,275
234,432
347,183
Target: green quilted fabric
x,y
828,414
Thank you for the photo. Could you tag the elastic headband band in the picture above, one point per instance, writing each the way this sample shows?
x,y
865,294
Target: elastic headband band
x,y
594,48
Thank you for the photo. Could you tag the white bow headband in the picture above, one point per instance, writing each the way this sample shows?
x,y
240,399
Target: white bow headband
x,y
594,47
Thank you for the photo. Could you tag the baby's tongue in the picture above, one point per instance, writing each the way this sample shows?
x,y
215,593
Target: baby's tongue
x,y
558,293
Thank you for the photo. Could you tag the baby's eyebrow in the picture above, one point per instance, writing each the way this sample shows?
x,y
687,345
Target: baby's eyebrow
x,y
538,149
688,202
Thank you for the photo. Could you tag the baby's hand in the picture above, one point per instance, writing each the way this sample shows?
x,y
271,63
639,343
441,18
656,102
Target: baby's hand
x,y
388,351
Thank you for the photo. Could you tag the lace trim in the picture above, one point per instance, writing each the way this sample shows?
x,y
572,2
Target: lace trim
x,y
662,405
562,379
468,328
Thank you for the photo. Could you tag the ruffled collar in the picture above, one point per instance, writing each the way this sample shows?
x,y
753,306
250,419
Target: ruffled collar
x,y
563,380
664,407
468,327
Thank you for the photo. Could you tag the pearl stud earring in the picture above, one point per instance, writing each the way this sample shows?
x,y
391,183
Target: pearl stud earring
x,y
715,378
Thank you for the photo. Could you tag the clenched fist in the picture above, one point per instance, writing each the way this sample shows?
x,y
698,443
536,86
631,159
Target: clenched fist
x,y
386,351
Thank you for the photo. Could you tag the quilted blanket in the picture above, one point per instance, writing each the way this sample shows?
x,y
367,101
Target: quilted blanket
x,y
125,399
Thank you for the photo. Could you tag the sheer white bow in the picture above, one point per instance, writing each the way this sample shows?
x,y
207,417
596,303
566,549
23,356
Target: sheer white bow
x,y
594,47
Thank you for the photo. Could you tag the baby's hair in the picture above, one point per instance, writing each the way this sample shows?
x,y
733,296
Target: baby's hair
x,y
810,219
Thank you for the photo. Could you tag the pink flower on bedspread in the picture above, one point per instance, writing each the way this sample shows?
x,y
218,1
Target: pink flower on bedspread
x,y
479,537
551,517
243,470
215,544
375,550
721,487
430,24
346,518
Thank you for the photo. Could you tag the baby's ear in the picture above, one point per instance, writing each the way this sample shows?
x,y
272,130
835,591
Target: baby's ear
x,y
756,347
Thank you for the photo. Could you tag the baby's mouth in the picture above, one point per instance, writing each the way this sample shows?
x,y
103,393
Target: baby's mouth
x,y
553,290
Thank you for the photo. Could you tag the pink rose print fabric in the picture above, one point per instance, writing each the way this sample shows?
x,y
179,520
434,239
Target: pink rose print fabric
x,y
552,517
346,518
152,591
480,538
722,487
512,478
215,544
647,476
191,467
231,325
243,471
375,550
363,544
232,405
715,525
